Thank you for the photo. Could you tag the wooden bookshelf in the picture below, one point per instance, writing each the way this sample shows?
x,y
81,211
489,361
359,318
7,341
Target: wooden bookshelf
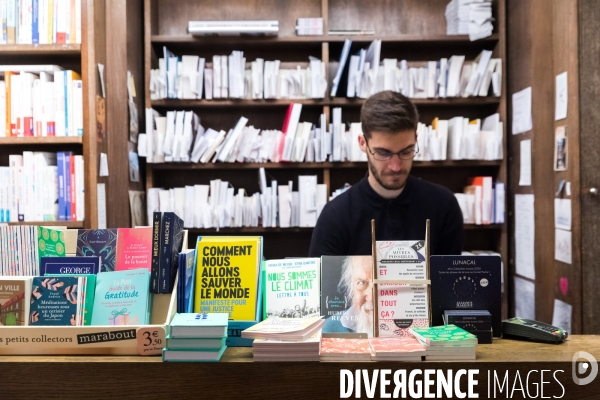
x,y
413,30
317,165
40,49
48,140
261,230
68,224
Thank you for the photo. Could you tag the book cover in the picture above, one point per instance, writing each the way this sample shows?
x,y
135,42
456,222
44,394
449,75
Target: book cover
x,y
293,288
284,328
88,295
134,248
346,347
187,279
198,325
122,298
227,272
443,335
401,306
394,345
156,228
467,283
98,242
171,241
56,301
15,293
346,300
70,265
51,243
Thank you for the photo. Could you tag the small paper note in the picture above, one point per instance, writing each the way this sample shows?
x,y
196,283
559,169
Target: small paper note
x,y
103,164
525,179
561,96
563,246
524,298
521,109
101,204
562,214
568,189
525,235
101,73
561,317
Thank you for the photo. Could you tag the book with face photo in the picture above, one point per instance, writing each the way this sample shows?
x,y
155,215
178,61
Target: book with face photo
x,y
346,294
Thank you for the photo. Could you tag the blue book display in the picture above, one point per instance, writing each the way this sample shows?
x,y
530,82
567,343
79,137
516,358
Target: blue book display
x,y
70,265
122,298
56,301
98,242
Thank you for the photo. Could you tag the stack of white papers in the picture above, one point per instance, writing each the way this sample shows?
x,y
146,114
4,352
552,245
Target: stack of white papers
x,y
469,17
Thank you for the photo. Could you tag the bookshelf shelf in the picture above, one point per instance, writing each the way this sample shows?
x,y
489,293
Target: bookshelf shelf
x,y
68,224
41,140
340,101
315,165
40,49
259,229
252,40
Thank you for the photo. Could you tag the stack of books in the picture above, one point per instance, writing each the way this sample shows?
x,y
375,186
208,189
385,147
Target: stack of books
x,y
196,337
405,348
447,342
286,339
342,349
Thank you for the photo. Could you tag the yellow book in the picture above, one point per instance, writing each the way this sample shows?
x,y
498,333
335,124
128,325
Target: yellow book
x,y
227,275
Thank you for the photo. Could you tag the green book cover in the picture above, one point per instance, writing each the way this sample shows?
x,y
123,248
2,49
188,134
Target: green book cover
x,y
90,289
443,335
51,243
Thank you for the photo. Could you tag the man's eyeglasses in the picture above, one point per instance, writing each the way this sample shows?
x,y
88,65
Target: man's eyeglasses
x,y
385,155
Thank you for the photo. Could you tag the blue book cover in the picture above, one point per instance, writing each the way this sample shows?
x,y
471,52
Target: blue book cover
x,y
70,265
55,301
35,34
122,298
98,242
234,333
68,184
60,162
189,280
171,244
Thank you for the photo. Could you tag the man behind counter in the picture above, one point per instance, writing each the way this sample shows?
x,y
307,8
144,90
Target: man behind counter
x,y
399,203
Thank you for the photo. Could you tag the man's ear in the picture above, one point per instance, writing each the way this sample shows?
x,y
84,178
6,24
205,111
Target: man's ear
x,y
362,143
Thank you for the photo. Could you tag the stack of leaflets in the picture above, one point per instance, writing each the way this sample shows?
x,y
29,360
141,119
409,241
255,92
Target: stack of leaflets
x,y
288,329
342,349
404,348
196,337
447,342
285,350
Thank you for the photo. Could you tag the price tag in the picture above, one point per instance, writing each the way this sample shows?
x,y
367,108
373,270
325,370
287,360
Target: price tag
x,y
151,340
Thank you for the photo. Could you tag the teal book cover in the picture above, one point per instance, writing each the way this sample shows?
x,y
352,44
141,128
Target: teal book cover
x,y
122,298
55,301
88,296
98,242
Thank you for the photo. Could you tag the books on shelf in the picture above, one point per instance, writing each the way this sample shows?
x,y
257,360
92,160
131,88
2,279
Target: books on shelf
x,y
40,22
469,17
285,350
217,205
234,28
230,77
483,201
309,26
42,186
345,350
288,329
40,100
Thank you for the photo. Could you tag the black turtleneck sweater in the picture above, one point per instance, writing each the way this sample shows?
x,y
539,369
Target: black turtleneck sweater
x,y
344,226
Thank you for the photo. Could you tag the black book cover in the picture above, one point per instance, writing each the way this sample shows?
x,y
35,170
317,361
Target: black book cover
x,y
156,230
466,283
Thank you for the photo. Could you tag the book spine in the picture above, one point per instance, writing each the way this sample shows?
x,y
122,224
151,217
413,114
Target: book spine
x,y
166,252
156,229
73,192
35,35
68,184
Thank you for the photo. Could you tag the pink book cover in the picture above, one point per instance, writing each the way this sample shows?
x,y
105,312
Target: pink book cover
x,y
134,248
396,345
345,346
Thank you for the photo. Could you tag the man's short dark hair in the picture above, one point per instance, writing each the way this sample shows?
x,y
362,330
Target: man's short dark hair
x,y
388,112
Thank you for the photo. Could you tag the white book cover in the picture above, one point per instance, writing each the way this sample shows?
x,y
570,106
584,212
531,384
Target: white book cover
x,y
188,77
293,288
307,188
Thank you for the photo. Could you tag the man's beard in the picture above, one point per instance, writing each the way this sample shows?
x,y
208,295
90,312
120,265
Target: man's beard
x,y
379,179
364,319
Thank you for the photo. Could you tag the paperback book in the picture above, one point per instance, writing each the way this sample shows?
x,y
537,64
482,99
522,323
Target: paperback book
x,y
346,294
15,294
293,288
122,298
227,276
401,306
284,328
342,349
57,301
98,242
134,248
193,355
70,265
193,325
51,242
